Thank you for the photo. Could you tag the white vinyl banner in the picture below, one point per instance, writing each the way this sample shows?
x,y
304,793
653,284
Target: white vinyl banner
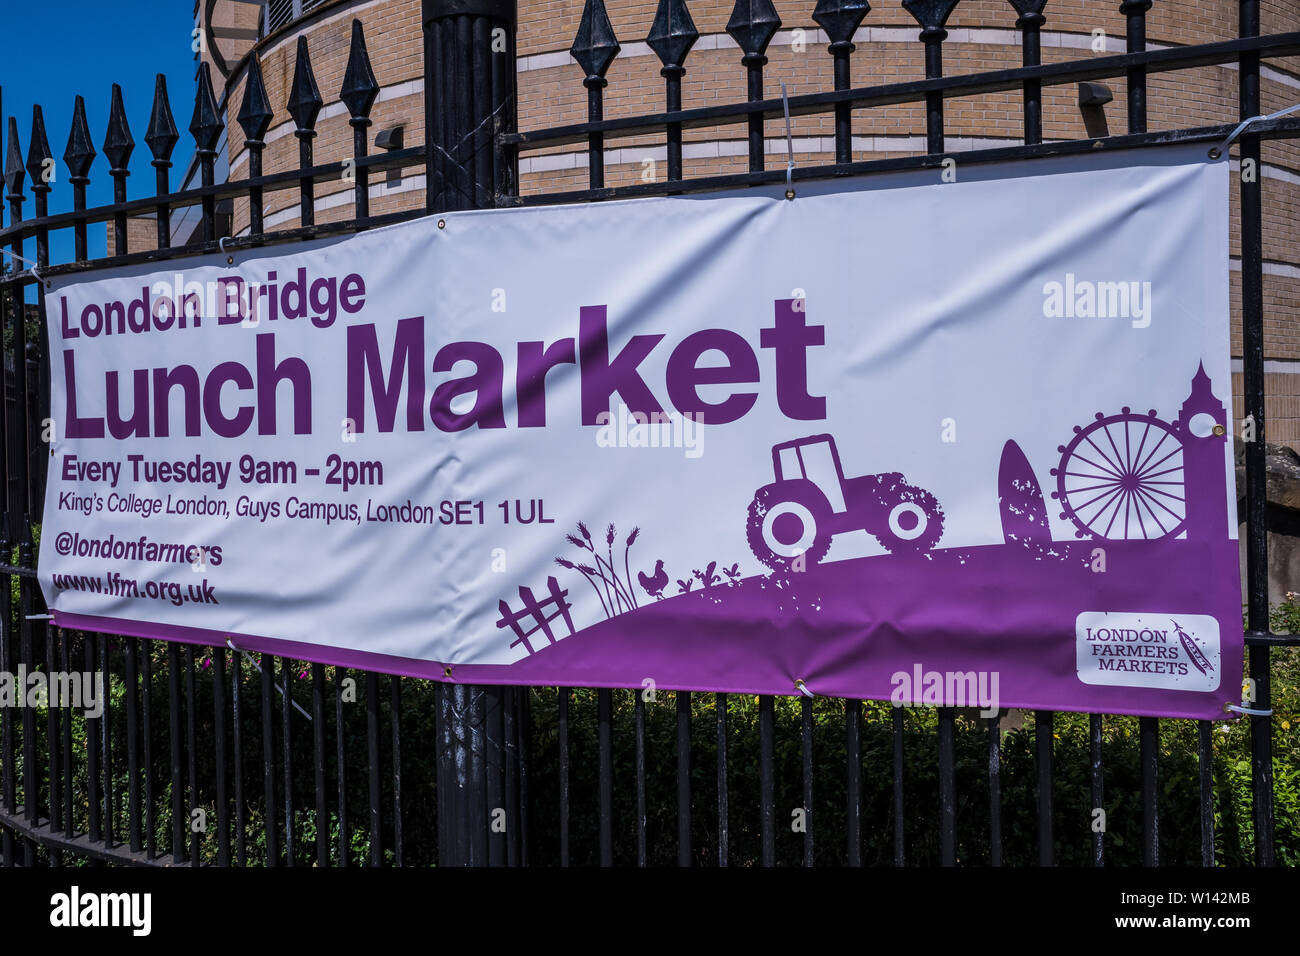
x,y
896,426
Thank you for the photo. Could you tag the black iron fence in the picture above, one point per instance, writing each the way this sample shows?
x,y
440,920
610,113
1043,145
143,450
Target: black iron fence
x,y
211,755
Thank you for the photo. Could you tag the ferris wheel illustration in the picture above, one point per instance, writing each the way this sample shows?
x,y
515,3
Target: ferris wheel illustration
x,y
1121,477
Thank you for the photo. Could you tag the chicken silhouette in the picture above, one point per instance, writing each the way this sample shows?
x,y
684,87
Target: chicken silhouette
x,y
654,584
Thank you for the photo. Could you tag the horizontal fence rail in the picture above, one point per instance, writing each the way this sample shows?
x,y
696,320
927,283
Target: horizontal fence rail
x,y
216,756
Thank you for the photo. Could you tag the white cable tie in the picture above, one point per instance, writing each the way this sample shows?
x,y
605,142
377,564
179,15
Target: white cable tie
x,y
40,617
31,266
789,145
280,690
1222,148
1253,712
803,689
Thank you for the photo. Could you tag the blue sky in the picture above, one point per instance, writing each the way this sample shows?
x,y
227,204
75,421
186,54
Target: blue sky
x,y
56,49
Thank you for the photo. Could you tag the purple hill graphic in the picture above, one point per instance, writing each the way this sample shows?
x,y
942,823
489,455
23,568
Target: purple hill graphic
x,y
1149,492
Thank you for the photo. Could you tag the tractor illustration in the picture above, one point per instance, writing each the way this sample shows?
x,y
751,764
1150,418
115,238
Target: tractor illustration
x,y
811,501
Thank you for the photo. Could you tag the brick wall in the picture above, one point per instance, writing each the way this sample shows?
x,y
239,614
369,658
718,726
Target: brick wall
x,y
981,37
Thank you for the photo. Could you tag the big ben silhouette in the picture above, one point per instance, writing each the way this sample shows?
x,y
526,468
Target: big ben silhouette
x,y
1204,472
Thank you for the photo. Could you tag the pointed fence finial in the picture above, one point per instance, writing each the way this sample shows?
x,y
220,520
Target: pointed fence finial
x,y
255,112
14,173
206,124
40,164
359,86
162,135
595,45
118,144
304,101
672,34
931,15
840,18
79,153
1031,11
752,25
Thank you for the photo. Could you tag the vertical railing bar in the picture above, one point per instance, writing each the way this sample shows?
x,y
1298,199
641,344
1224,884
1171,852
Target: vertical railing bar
x,y
395,718
806,746
841,47
476,822
340,738
31,776
359,92
106,740
595,141
1253,384
17,445
1135,12
372,757
162,138
118,147
1205,764
525,721
900,837
947,788
605,772
512,748
255,117
1030,25
563,744
52,725
318,762
1043,742
932,36
933,40
10,790
131,649
1149,751
93,820
192,755
286,729
463,197
218,657
995,791
69,773
237,752
433,179
853,780
505,176
767,779
206,127
754,63
267,669
684,854
1096,776
481,83
724,833
40,192
1148,727
174,751
642,852
494,769
146,728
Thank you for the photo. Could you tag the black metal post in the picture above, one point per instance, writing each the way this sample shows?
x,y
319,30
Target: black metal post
x,y
1252,352
469,99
